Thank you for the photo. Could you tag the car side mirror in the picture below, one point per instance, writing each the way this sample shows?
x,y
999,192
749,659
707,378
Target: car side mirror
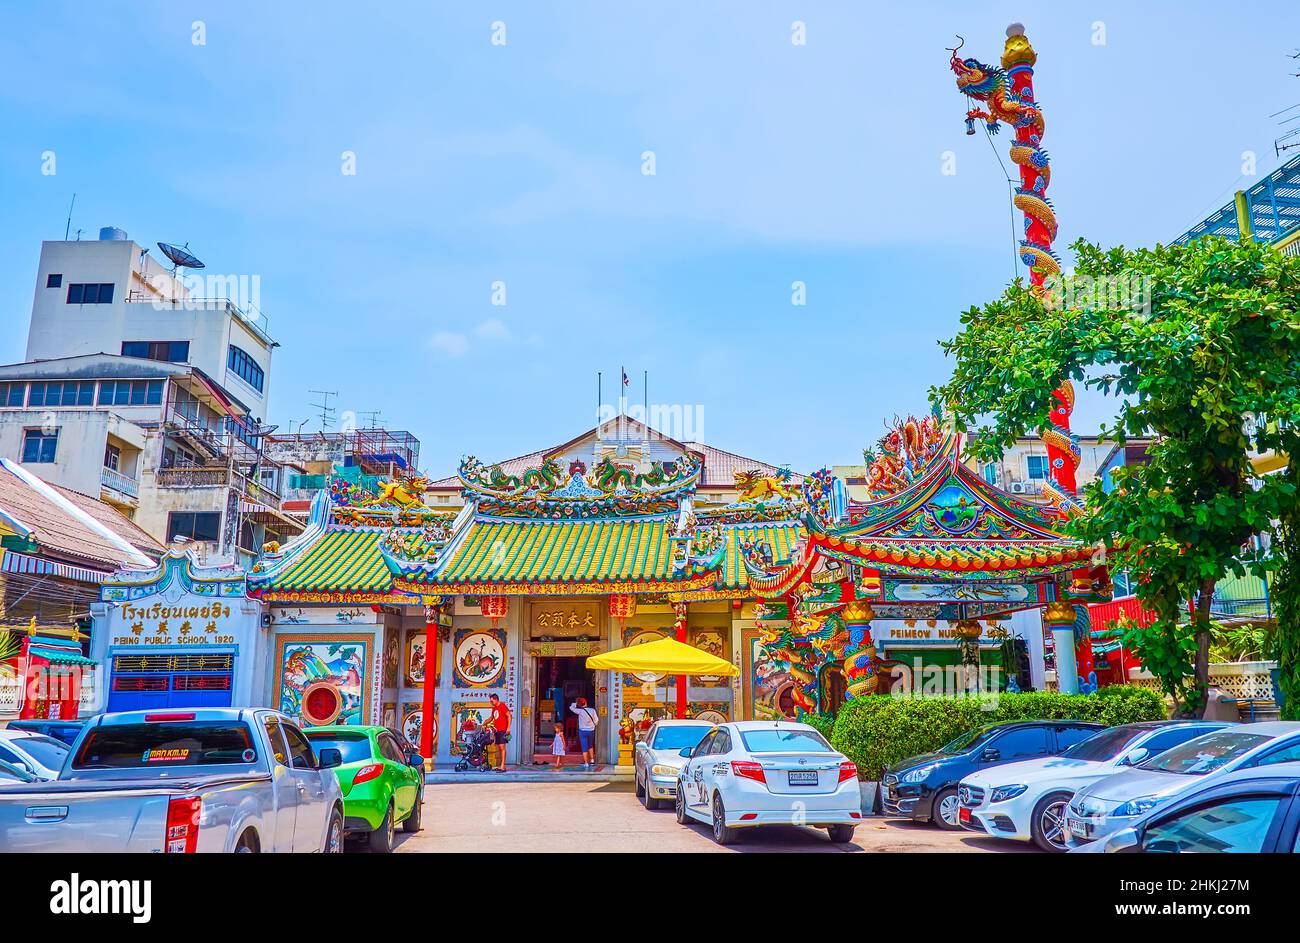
x,y
415,760
685,752
330,757
1135,756
991,754
1125,840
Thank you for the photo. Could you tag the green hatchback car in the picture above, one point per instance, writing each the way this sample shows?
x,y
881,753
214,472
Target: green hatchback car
x,y
382,787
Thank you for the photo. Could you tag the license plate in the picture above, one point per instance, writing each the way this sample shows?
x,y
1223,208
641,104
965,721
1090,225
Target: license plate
x,y
802,777
963,815
1077,829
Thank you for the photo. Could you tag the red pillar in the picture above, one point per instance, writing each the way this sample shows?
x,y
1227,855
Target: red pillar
x,y
430,681
679,630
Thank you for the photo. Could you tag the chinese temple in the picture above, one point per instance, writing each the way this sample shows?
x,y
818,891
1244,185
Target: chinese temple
x,y
390,609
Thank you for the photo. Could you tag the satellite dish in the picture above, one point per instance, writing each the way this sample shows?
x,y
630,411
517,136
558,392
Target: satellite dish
x,y
181,256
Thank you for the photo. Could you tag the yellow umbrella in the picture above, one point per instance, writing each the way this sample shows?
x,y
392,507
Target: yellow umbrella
x,y
664,656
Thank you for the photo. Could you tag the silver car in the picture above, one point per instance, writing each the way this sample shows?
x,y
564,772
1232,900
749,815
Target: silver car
x,y
40,755
659,760
1119,800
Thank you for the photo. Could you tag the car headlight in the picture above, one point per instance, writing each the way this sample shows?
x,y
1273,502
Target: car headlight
x,y
918,775
660,770
1003,793
1138,806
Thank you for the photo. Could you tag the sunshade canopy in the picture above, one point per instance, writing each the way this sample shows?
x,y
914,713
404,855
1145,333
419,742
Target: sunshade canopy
x,y
664,656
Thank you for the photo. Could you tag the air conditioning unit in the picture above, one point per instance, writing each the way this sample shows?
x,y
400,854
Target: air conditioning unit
x,y
1018,487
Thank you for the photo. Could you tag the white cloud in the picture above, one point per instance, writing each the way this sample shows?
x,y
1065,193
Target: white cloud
x,y
450,343
493,330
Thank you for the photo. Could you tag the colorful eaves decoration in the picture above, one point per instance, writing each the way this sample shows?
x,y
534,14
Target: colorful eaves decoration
x,y
614,530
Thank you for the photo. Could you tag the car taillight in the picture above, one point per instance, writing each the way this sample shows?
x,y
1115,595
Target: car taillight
x,y
747,770
164,718
183,824
367,773
848,770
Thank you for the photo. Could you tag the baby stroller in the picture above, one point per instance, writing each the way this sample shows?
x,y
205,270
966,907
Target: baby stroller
x,y
474,744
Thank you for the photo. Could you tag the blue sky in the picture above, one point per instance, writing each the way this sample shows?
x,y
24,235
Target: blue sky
x,y
522,164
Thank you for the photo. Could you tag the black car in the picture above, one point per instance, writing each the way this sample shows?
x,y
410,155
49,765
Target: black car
x,y
924,787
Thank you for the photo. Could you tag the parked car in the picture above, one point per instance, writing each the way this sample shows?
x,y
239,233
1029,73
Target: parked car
x,y
381,785
1118,800
40,755
924,787
208,779
1026,801
1254,810
65,730
14,774
750,773
658,758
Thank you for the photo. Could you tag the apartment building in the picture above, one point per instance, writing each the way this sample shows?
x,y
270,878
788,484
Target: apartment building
x,y
143,394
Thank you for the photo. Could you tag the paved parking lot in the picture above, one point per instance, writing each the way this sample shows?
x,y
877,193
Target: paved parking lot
x,y
577,817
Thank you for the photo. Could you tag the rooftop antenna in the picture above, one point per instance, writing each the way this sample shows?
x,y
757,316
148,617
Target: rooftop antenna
x,y
326,410
372,422
67,227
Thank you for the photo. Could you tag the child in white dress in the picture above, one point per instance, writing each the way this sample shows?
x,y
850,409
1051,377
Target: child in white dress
x,y
558,749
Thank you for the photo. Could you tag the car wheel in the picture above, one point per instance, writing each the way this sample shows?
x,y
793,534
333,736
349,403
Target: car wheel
x,y
334,833
841,834
652,803
247,843
722,834
381,839
679,806
640,790
412,822
946,809
1048,823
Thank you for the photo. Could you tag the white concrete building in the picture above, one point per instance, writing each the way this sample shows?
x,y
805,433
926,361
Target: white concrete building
x,y
140,391
111,296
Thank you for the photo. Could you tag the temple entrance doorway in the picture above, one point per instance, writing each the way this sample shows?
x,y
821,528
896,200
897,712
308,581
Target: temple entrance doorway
x,y
560,681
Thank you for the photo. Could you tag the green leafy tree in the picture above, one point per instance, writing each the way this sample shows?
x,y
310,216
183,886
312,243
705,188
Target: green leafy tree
x,y
1200,344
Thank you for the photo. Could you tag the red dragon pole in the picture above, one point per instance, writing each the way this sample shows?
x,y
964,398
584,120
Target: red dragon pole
x,y
1008,93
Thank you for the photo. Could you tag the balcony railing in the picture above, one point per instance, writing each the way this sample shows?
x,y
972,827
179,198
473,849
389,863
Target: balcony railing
x,y
122,484
216,476
248,313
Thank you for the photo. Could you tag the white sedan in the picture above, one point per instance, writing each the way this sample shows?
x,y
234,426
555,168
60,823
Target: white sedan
x,y
1026,801
750,773
659,760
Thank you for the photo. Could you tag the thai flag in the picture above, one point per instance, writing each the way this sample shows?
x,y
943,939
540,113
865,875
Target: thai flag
x,y
625,379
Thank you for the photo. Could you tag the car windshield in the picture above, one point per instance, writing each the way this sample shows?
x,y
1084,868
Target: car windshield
x,y
968,741
354,747
1105,745
165,745
47,751
678,738
784,741
1205,754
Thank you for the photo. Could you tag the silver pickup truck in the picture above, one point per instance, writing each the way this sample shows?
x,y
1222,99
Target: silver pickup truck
x,y
175,781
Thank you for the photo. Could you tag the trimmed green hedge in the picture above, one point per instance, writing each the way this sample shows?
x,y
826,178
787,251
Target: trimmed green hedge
x,y
824,723
876,732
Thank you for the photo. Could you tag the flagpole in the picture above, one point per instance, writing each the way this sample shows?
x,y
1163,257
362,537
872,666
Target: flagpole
x,y
599,399
645,394
622,402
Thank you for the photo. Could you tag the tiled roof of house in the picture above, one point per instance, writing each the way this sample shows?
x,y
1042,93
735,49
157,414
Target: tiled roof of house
x,y
61,535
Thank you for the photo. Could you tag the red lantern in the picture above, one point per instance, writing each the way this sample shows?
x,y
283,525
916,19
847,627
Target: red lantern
x,y
622,606
494,607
